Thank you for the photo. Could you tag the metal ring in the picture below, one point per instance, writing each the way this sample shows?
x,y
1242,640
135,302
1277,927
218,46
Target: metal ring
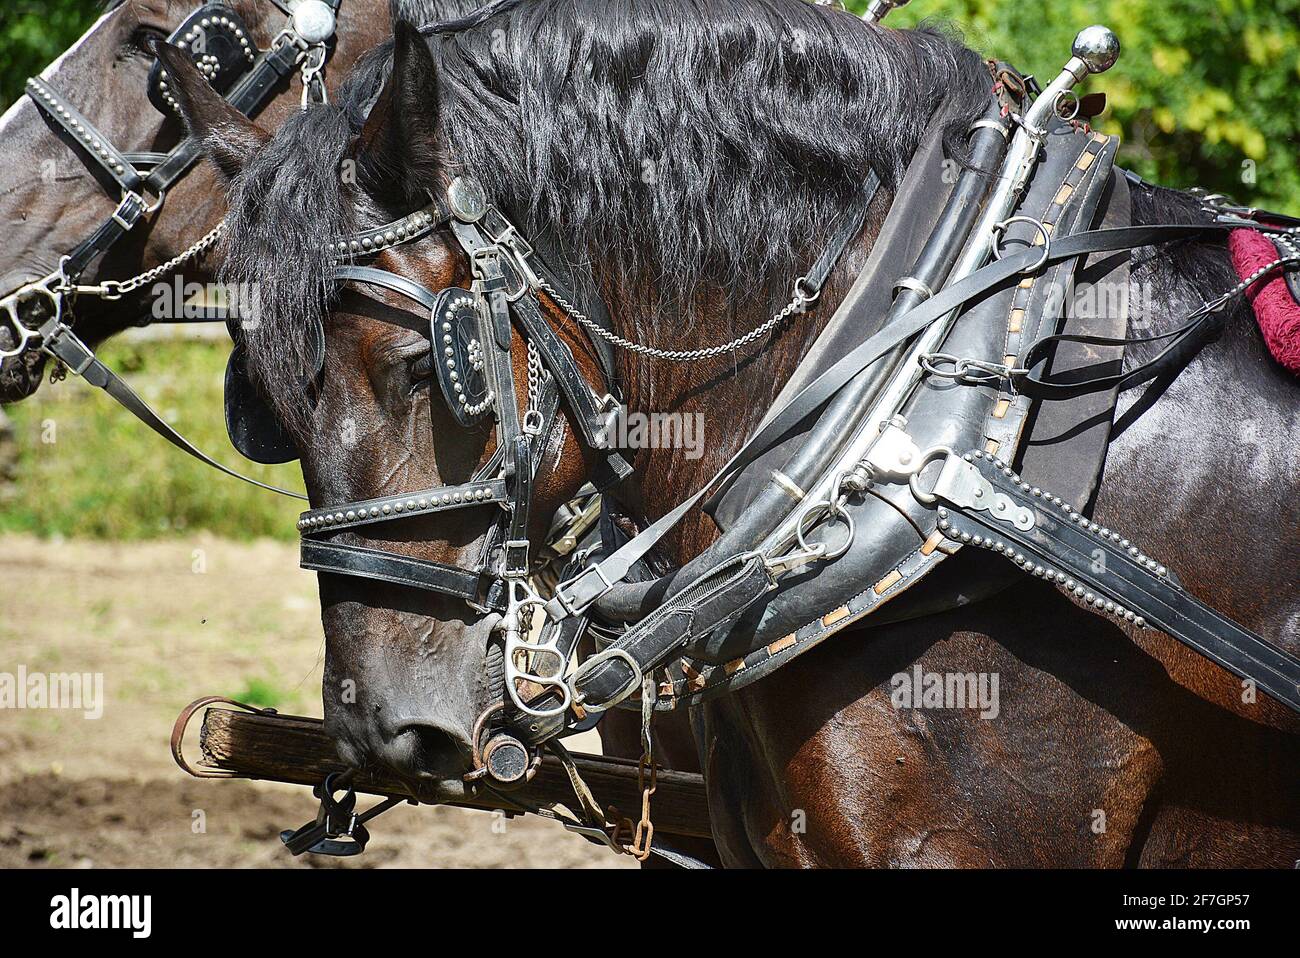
x,y
476,737
915,285
1056,106
934,363
834,508
22,333
804,291
938,452
999,229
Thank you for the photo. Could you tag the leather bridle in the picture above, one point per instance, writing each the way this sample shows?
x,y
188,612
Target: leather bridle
x,y
509,276
303,44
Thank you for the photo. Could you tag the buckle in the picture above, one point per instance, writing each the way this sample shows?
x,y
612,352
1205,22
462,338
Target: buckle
x,y
58,340
608,413
633,683
123,214
514,561
576,595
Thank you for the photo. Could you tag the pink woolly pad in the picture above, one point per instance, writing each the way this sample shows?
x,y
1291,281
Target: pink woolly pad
x,y
1278,314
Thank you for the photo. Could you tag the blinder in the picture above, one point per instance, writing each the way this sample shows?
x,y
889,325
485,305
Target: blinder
x,y
217,41
458,356
254,429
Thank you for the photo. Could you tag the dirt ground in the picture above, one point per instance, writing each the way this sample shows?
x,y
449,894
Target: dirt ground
x,y
167,622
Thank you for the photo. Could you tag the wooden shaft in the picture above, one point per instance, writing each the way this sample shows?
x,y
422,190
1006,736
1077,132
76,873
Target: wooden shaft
x,y
296,750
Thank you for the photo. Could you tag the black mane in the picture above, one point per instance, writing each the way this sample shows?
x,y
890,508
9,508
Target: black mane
x,y
681,142
684,148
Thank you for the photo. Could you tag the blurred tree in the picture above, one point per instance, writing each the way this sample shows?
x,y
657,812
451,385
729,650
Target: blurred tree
x,y
1205,93
35,32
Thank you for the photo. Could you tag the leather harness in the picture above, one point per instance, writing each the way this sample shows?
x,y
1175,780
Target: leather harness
x,y
219,42
862,435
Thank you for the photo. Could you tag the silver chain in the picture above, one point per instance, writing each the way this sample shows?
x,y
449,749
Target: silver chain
x,y
799,304
114,289
1256,276
535,373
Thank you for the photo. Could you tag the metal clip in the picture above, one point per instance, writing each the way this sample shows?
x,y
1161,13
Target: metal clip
x,y
962,485
514,626
975,372
313,80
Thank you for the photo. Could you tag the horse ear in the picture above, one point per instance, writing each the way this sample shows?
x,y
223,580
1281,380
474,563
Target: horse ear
x,y
395,152
229,139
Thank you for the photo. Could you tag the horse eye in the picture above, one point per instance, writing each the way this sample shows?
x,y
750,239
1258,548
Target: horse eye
x,y
138,44
422,368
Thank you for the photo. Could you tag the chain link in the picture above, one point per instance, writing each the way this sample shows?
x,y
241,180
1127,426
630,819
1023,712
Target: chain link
x,y
647,773
798,304
114,289
535,374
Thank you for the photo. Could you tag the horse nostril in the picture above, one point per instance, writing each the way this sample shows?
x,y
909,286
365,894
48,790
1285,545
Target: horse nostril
x,y
428,749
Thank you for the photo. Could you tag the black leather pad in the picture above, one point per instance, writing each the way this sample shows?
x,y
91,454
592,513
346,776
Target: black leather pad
x,y
254,428
220,45
458,358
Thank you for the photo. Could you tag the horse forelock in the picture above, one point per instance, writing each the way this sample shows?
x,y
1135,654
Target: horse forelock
x,y
289,202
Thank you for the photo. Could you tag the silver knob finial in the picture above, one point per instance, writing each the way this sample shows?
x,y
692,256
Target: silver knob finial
x,y
879,9
1097,47
314,21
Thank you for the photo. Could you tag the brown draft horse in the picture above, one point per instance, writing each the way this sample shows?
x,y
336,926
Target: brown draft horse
x,y
694,156
50,201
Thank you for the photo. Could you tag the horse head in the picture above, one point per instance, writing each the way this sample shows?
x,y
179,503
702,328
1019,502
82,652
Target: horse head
x,y
406,671
570,124
97,125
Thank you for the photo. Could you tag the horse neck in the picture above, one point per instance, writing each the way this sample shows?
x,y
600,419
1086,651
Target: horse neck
x,y
715,403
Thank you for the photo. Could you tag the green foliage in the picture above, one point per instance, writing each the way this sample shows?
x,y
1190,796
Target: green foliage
x,y
87,468
260,693
33,33
1203,95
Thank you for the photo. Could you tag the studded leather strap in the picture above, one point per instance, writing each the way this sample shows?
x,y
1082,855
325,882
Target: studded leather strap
x,y
85,135
405,505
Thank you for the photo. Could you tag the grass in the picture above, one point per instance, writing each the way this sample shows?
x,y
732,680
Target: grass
x,y
86,468
260,693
